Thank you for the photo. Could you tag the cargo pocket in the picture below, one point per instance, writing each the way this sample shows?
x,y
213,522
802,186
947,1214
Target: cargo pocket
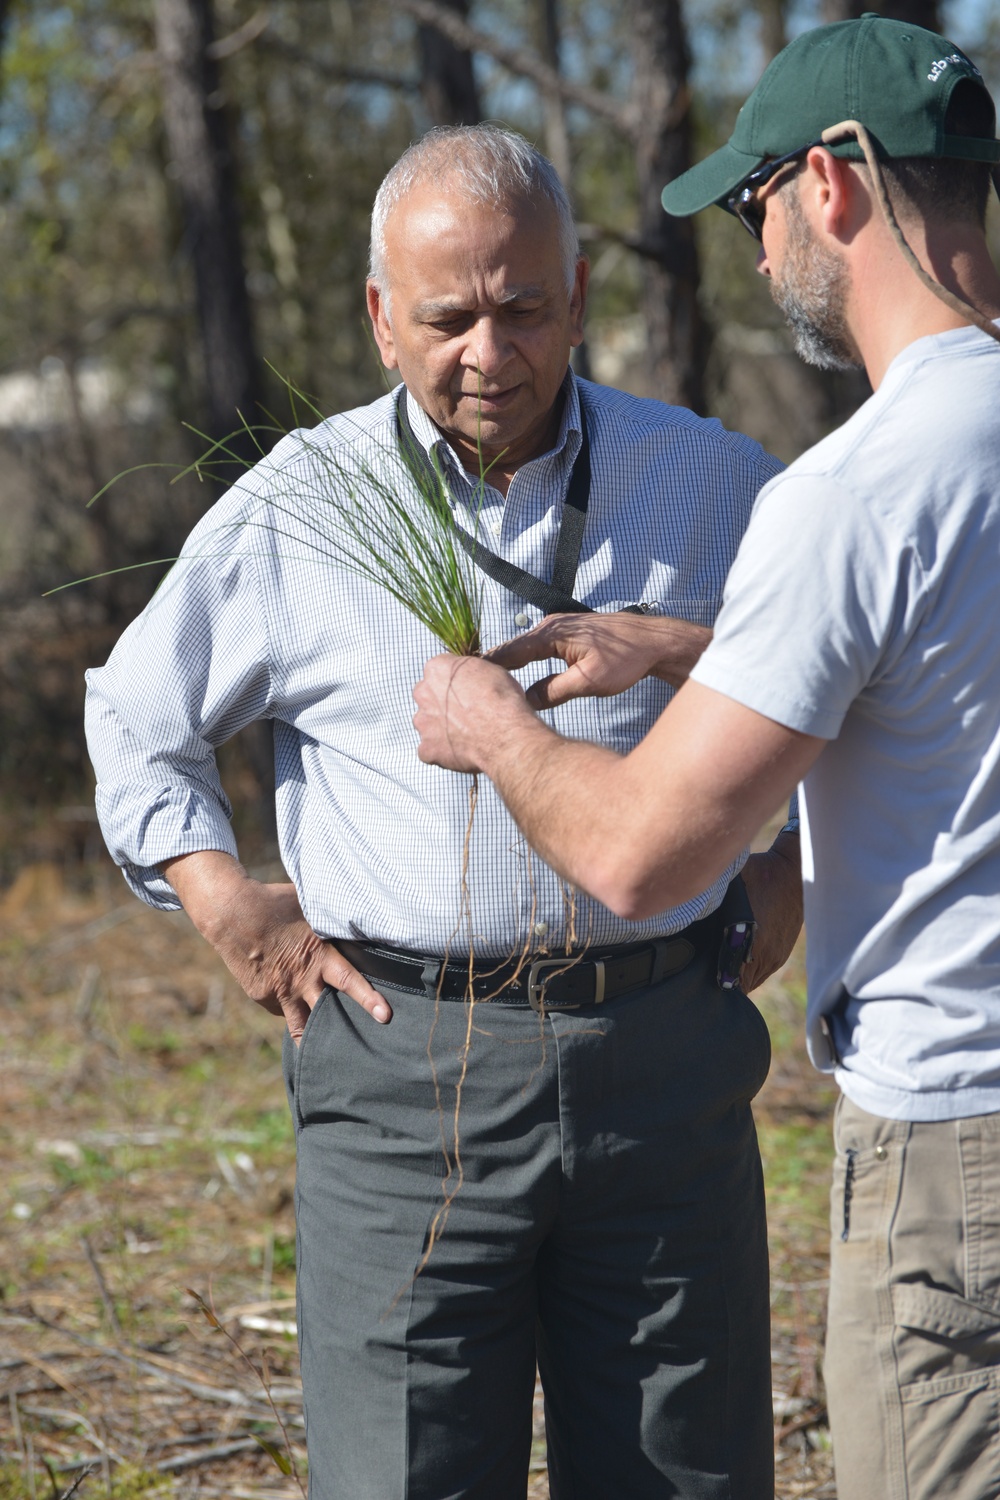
x,y
979,1153
948,1358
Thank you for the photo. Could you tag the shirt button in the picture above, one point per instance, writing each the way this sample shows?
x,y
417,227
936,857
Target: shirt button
x,y
522,619
880,1153
496,527
540,929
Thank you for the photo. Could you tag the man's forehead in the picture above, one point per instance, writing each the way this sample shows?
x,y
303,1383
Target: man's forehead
x,y
438,212
447,252
462,300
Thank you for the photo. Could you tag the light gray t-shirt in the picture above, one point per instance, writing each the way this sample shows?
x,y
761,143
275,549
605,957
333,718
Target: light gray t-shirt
x,y
864,607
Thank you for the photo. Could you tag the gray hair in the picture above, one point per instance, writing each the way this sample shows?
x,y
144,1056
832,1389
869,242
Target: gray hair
x,y
488,164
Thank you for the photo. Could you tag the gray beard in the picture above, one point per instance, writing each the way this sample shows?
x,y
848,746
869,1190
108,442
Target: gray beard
x,y
811,295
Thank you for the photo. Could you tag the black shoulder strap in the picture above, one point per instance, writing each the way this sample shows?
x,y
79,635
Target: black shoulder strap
x,y
552,598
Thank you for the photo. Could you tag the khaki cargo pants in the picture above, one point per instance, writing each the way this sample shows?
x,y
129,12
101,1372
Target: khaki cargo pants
x,y
913,1346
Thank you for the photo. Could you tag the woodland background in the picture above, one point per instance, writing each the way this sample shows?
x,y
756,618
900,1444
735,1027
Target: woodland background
x,y
184,197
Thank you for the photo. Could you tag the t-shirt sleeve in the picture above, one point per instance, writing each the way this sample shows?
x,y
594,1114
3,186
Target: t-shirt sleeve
x,y
819,590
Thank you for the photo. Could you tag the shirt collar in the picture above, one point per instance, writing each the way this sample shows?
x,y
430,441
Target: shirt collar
x,y
570,436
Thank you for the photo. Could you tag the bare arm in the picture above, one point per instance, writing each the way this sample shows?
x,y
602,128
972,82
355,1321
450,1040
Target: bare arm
x,y
639,832
604,654
264,940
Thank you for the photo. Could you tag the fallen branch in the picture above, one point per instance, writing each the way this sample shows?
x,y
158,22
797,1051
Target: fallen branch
x,y
192,1457
102,1287
84,1473
162,1370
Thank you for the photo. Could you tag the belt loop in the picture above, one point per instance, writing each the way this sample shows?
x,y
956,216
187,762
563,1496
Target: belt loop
x,y
659,969
431,976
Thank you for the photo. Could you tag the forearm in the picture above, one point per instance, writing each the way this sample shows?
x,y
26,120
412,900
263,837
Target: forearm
x,y
538,773
641,832
598,820
233,912
264,940
213,888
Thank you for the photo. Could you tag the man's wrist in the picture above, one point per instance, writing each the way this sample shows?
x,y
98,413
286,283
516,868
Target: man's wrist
x,y
684,645
206,882
507,738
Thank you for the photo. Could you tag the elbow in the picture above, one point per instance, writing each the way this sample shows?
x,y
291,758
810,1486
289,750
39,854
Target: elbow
x,y
633,893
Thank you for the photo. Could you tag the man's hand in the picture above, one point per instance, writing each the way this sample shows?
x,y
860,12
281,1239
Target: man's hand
x,y
264,940
604,654
463,703
774,886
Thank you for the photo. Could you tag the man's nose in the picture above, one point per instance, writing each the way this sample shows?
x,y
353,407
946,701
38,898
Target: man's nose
x,y
488,348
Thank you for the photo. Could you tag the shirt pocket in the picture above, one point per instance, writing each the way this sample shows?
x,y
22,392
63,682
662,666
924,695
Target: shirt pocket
x,y
697,610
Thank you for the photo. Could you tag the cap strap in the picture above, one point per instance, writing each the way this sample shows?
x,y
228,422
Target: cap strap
x,y
970,148
957,305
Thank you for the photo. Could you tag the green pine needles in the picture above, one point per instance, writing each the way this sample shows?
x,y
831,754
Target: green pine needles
x,y
384,515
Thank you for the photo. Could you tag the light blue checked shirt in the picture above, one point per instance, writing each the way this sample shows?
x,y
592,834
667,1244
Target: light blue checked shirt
x,y
255,620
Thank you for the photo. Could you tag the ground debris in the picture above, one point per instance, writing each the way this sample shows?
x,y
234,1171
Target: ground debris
x,y
147,1149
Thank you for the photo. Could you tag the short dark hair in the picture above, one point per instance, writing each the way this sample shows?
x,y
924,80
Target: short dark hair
x,y
939,188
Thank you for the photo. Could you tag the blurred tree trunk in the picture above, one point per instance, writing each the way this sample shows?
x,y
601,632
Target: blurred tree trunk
x,y
201,163
773,36
203,167
554,105
916,12
447,79
677,338
557,147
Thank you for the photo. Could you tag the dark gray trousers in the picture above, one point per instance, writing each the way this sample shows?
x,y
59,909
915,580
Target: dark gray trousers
x,y
609,1222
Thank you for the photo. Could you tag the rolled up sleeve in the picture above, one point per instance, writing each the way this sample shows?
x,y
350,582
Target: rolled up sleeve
x,y
187,674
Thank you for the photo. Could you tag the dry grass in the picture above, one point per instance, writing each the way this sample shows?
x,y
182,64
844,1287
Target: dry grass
x,y
147,1150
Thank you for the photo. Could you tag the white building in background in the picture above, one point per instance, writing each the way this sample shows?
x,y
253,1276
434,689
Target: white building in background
x,y
40,401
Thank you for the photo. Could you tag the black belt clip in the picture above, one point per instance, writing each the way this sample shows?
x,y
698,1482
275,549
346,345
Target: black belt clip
x,y
738,933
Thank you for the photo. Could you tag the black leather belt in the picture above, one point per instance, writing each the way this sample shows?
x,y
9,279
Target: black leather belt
x,y
565,982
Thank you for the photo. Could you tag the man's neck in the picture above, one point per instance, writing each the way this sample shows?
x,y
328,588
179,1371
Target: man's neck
x,y
890,307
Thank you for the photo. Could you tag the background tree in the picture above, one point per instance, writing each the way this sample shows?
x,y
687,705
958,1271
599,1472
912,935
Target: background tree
x,y
447,79
204,171
917,12
661,97
773,33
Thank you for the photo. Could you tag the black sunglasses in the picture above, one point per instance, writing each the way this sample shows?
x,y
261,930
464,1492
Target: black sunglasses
x,y
743,201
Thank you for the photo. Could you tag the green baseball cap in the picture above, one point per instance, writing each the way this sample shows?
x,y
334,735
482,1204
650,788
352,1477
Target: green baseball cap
x,y
896,79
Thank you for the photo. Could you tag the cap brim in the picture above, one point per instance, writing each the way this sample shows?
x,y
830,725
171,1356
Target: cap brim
x,y
711,181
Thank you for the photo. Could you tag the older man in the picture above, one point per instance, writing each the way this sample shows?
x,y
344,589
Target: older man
x,y
857,649
569,1172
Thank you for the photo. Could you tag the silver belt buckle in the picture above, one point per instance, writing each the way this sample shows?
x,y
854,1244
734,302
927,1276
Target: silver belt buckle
x,y
536,991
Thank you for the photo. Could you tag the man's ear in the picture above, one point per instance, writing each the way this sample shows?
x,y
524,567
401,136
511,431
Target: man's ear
x,y
381,326
830,188
578,301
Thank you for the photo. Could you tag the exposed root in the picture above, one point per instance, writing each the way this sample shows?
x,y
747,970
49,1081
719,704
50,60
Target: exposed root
x,y
454,1173
451,1182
